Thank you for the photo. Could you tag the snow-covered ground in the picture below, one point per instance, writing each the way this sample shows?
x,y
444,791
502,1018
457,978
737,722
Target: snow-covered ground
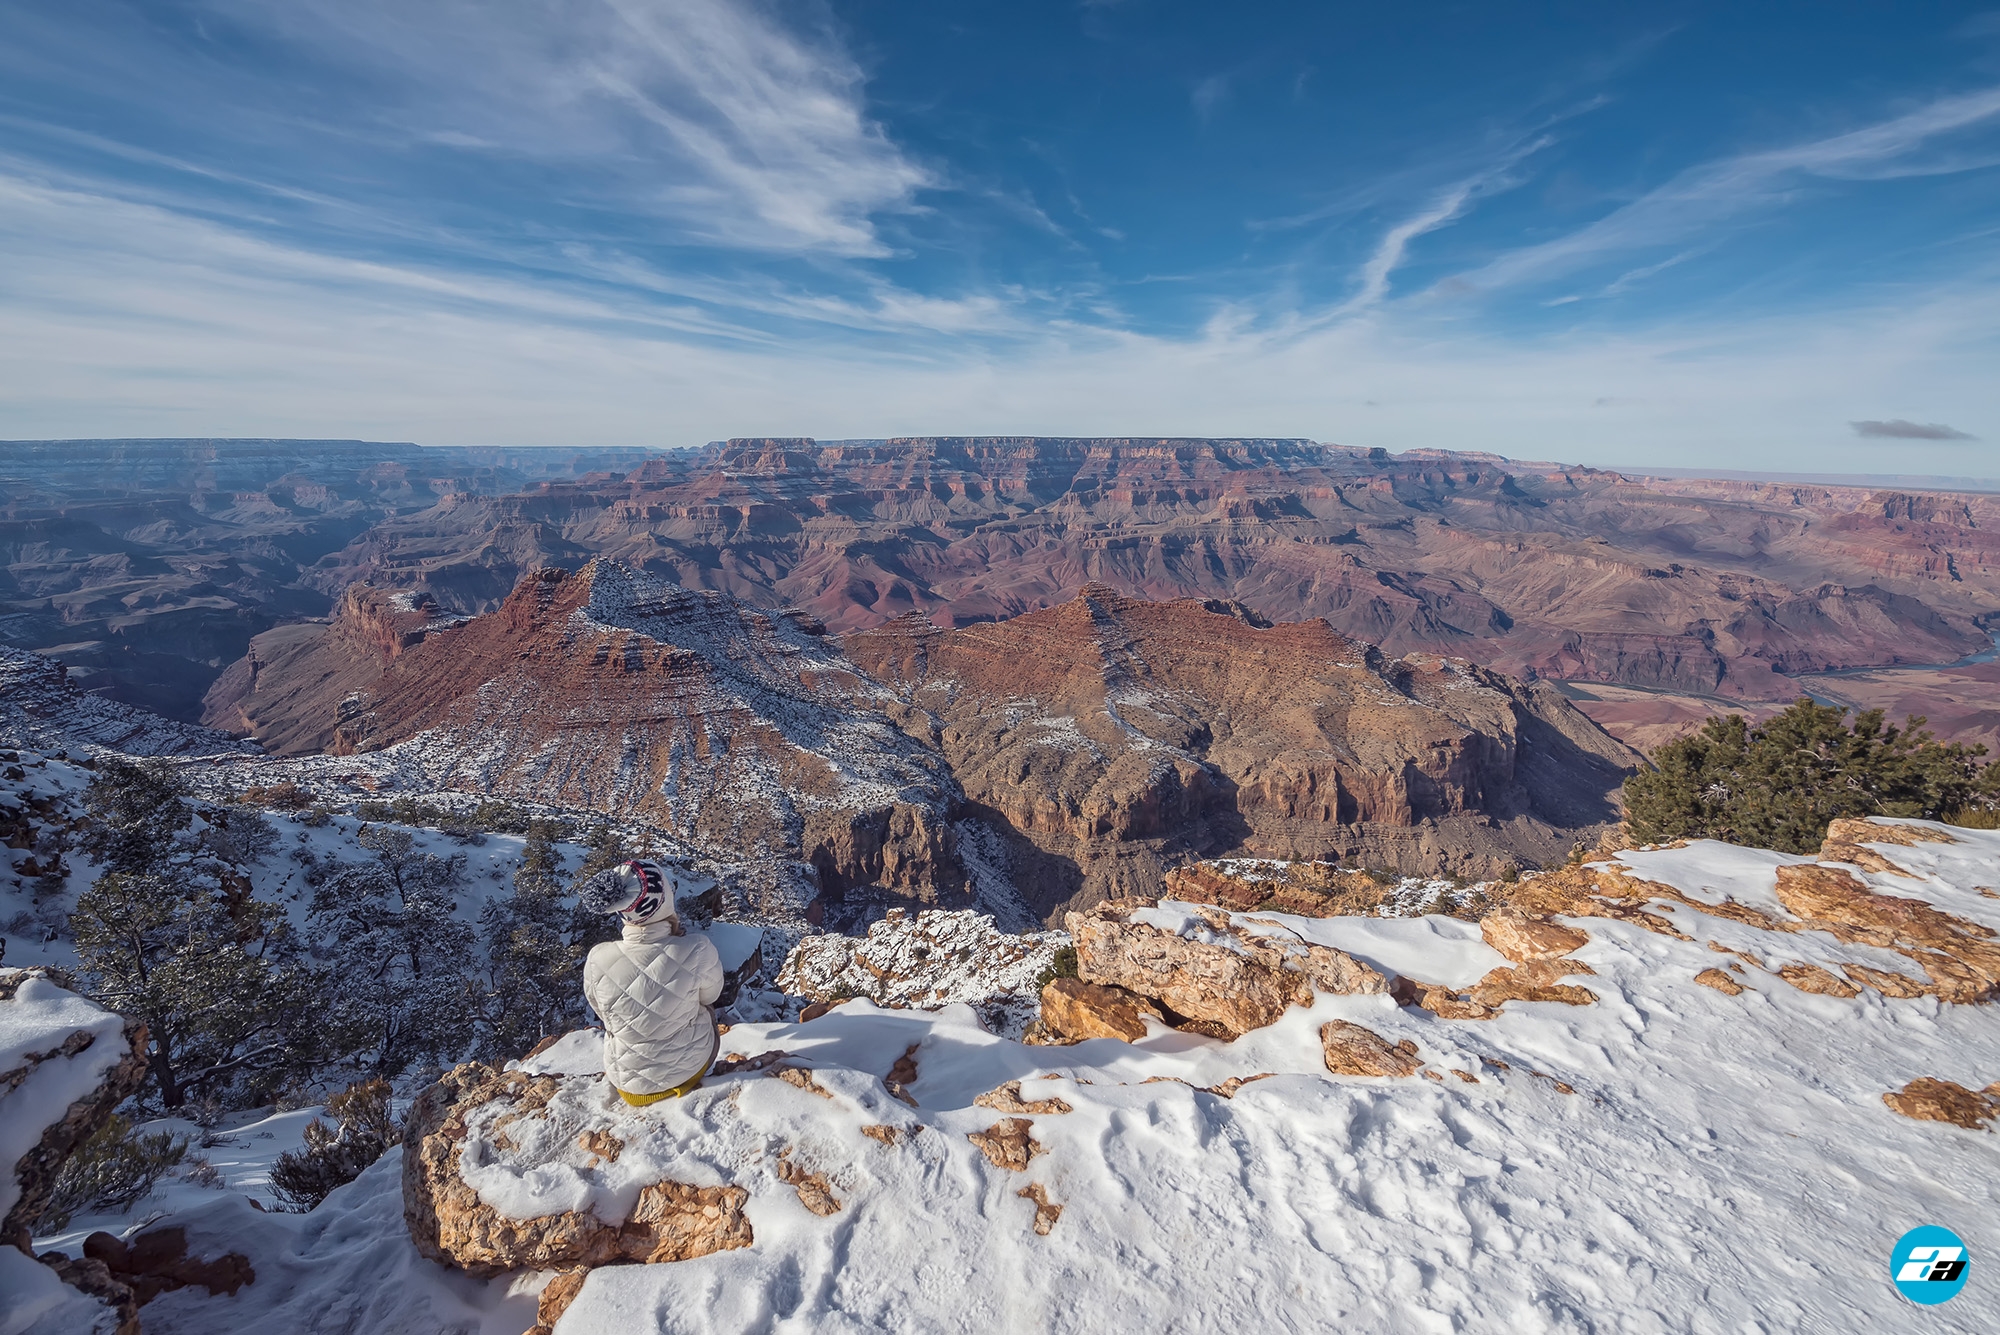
x,y
1670,1158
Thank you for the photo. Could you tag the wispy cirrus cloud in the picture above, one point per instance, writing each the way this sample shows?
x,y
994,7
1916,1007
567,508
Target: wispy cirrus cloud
x,y
690,122
1705,196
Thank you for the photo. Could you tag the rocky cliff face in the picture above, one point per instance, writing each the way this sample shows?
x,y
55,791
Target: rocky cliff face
x,y
1086,748
730,727
1112,738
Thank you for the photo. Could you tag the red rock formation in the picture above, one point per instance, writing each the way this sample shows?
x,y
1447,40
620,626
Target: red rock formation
x,y
1711,588
1102,742
1118,737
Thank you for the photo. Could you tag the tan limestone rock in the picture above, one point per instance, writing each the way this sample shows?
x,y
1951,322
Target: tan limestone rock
x,y
1522,938
815,1192
1533,981
1812,978
1720,981
555,1299
1046,1210
1351,1049
1858,829
1236,982
1932,1100
1007,1144
1887,982
35,1172
672,1221
1073,1010
1007,1099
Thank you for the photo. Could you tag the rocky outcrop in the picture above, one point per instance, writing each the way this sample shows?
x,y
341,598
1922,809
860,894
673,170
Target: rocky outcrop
x,y
1073,1010
1962,957
1353,1049
1525,939
671,1221
65,1065
1206,968
1929,1099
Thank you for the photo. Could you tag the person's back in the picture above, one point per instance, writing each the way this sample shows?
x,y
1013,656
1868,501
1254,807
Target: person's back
x,y
652,988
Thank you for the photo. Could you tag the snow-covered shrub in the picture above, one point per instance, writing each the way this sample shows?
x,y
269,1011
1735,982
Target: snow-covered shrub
x,y
334,1156
112,1171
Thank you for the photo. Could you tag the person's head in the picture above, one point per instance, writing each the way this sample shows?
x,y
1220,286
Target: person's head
x,y
638,892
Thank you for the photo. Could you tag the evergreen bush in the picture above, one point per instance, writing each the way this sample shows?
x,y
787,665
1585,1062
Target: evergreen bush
x,y
1779,784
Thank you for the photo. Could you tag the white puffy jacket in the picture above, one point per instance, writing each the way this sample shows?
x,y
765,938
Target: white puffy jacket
x,y
653,989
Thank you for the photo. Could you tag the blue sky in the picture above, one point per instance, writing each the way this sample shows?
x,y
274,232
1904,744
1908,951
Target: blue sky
x,y
1708,235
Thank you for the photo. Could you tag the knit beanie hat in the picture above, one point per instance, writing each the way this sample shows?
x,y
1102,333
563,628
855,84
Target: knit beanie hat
x,y
637,891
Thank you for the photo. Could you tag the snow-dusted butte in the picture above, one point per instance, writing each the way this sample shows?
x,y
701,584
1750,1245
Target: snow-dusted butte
x,y
1671,1156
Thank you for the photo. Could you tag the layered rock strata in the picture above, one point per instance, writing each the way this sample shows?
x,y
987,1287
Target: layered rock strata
x,y
1091,747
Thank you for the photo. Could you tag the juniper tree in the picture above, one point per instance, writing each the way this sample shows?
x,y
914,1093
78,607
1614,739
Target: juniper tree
x,y
401,961
173,934
536,940
216,978
1779,784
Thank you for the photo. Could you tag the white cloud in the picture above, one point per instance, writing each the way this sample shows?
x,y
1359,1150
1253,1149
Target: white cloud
x,y
1698,199
741,130
118,319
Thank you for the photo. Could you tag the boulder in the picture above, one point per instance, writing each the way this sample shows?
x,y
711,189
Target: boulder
x,y
671,1221
1961,956
1353,1049
1211,968
1523,938
1720,981
1932,1100
1073,1010
65,1064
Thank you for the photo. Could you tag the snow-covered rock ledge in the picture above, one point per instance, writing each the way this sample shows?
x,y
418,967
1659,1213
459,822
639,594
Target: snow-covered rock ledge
x,y
65,1064
1394,1163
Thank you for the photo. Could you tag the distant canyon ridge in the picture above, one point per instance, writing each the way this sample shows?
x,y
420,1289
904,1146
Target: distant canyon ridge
x,y
150,567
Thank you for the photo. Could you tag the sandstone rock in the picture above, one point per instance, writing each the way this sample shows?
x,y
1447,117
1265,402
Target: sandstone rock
x,y
1812,978
1238,982
1857,830
1534,981
1007,1144
1889,984
1522,938
672,1221
1008,1099
815,1192
91,1276
157,1262
555,1299
1933,1100
799,1077
1961,956
1073,1010
1046,1210
1351,1049
1720,981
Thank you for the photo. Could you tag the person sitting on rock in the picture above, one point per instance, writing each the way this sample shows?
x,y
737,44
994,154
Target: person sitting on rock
x,y
654,988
